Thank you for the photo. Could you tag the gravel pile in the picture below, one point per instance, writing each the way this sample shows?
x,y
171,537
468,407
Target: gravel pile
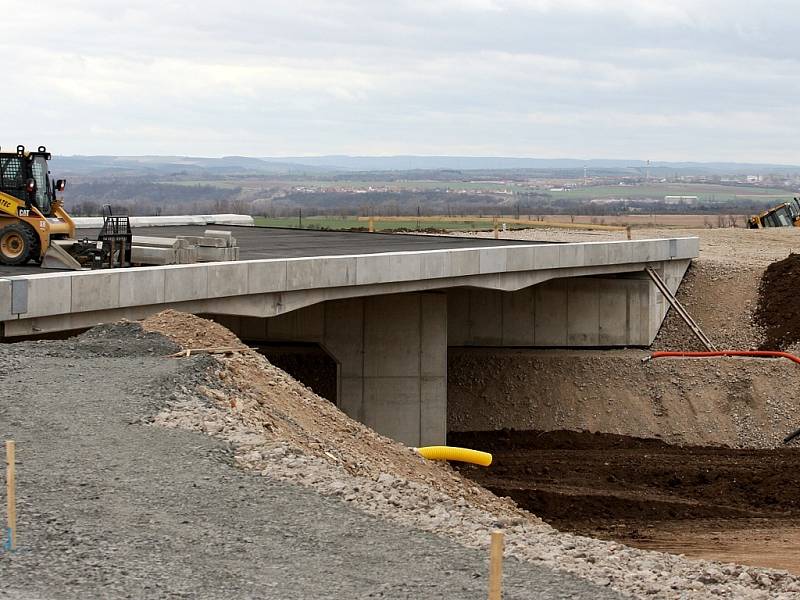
x,y
280,429
110,507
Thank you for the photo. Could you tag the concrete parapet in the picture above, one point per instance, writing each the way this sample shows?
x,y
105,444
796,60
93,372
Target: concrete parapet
x,y
273,286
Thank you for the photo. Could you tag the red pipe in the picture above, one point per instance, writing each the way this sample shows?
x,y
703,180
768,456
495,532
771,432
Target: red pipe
x,y
756,353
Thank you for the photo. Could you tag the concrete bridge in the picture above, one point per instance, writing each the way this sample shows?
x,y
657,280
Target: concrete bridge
x,y
384,307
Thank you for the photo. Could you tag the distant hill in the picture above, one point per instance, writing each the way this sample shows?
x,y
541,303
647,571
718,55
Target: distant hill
x,y
409,163
172,165
164,166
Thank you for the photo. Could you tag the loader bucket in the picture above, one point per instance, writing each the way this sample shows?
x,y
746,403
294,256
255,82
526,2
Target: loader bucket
x,y
57,256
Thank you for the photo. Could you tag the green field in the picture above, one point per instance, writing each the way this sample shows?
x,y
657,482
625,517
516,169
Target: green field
x,y
704,191
394,186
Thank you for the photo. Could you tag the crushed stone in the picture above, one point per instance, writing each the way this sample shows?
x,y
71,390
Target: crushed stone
x,y
280,429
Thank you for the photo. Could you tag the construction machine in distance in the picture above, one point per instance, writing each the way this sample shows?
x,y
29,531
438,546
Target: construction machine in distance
x,y
34,227
782,215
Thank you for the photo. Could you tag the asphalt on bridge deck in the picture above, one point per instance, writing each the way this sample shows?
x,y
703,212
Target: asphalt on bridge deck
x,y
268,242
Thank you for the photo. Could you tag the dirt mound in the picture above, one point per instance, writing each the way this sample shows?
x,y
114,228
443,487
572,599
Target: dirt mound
x,y
190,332
263,406
778,310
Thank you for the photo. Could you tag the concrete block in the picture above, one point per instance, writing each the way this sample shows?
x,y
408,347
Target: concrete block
x,y
485,317
95,290
185,282
384,268
19,296
433,325
687,247
48,294
619,253
227,236
551,314
5,299
159,242
208,242
521,259
213,254
344,335
595,254
283,328
638,324
141,286
435,264
228,279
187,256
493,260
546,256
571,255
311,323
457,316
307,273
433,411
392,336
147,255
392,407
650,250
350,397
614,315
266,276
465,262
583,312
518,318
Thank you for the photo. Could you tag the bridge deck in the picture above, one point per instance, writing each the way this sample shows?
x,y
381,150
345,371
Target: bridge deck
x,y
269,242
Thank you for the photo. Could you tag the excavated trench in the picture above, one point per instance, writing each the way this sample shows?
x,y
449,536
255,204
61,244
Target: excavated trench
x,y
708,502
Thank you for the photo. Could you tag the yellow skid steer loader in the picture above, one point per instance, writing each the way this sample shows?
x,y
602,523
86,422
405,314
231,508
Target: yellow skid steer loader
x,y
34,227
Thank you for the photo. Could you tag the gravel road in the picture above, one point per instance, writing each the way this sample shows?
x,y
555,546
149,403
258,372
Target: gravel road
x,y
111,507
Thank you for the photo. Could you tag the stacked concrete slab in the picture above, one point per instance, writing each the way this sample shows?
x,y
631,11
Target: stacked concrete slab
x,y
213,246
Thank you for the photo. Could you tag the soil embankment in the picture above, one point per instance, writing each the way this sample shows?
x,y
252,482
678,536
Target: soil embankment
x,y
732,402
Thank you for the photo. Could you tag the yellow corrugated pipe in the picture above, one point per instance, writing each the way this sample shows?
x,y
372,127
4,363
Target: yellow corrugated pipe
x,y
475,457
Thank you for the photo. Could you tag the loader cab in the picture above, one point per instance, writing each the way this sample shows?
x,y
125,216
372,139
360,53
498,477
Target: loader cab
x,y
20,168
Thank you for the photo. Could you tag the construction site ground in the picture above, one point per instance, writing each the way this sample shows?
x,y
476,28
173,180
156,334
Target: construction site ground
x,y
112,507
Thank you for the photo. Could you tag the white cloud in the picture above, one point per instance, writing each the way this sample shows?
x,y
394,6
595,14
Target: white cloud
x,y
702,79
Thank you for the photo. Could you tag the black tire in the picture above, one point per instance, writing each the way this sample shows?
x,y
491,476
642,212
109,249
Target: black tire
x,y
18,244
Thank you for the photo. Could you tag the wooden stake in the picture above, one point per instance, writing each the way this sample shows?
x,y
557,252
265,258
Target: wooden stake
x,y
372,224
11,495
628,231
496,566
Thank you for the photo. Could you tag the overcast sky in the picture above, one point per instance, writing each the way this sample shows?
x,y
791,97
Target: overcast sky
x,y
666,80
